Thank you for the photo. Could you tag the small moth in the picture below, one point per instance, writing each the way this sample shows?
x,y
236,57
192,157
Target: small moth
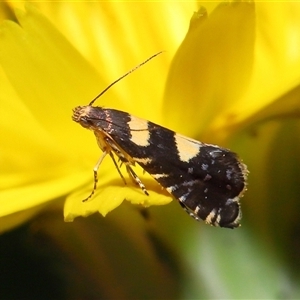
x,y
207,180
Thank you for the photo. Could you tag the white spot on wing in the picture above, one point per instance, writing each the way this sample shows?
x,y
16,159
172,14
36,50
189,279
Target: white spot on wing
x,y
218,219
161,175
190,170
183,197
209,218
140,134
172,188
232,200
204,167
143,161
229,174
197,209
207,177
187,148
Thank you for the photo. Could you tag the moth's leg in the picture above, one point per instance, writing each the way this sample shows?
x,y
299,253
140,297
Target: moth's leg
x,y
136,179
117,167
96,168
119,154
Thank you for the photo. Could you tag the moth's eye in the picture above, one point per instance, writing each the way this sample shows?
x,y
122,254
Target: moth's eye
x,y
85,121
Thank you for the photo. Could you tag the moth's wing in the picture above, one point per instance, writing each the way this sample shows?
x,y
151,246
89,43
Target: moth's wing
x,y
206,179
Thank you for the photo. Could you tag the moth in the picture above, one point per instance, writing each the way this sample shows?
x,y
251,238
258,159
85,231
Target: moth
x,y
207,180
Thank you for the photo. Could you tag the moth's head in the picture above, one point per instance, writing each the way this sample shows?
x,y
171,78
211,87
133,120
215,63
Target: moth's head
x,y
81,115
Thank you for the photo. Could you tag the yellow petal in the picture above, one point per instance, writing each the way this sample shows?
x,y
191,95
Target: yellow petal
x,y
111,192
211,68
116,36
38,161
275,73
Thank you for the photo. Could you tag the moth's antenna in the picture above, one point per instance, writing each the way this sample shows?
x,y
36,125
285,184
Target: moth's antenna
x,y
91,103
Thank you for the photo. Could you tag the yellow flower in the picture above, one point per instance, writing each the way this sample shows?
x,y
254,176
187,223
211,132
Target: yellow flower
x,y
234,81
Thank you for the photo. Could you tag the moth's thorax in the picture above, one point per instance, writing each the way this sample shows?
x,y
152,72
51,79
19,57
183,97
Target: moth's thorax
x,y
99,120
101,140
